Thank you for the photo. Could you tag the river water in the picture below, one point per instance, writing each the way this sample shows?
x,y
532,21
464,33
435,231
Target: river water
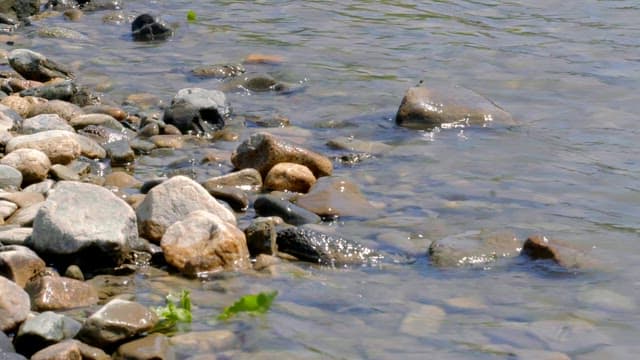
x,y
568,71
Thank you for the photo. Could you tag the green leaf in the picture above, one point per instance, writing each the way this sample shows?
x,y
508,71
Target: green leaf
x,y
253,304
191,16
170,315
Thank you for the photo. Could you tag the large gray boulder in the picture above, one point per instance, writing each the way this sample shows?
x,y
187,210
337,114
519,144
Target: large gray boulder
x,y
171,201
78,217
442,105
198,110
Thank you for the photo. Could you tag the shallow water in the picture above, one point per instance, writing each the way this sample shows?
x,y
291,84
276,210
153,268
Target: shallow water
x,y
567,70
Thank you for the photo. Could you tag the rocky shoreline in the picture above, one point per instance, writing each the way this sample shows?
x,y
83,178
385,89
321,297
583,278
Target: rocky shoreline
x,y
65,220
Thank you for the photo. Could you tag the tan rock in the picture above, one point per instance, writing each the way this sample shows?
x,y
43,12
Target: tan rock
x,y
121,179
14,305
20,264
22,105
33,164
60,146
59,293
65,110
290,177
204,242
168,141
335,196
70,350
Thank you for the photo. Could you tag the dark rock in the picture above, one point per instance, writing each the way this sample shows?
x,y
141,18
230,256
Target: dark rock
x,y
150,184
5,343
236,198
20,9
270,205
218,71
60,293
65,91
261,235
43,330
427,107
34,66
146,28
120,152
197,110
263,150
316,247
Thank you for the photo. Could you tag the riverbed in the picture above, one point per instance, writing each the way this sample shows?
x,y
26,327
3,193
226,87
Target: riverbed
x,y
568,72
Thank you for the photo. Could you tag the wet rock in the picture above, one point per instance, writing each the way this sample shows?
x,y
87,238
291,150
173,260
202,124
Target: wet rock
x,y
220,71
61,173
256,58
73,14
171,130
113,111
65,110
24,216
20,9
320,248
271,205
19,264
33,164
43,330
424,321
146,28
44,122
116,322
171,201
198,110
212,341
361,146
121,179
60,293
428,107
334,196
236,198
14,305
9,118
10,177
290,177
59,32
540,247
84,120
67,91
167,141
245,178
108,227
203,242
262,151
142,146
149,130
14,235
154,346
478,248
70,349
60,146
120,152
261,235
34,66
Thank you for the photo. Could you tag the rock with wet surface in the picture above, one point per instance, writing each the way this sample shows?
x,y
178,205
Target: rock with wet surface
x,y
335,196
263,150
320,248
287,176
171,201
70,349
271,205
245,178
198,110
107,230
35,66
423,321
539,247
203,242
60,146
236,198
34,165
154,346
474,248
20,9
119,152
60,293
19,264
67,91
441,105
43,330
116,322
219,71
146,28
261,235
14,305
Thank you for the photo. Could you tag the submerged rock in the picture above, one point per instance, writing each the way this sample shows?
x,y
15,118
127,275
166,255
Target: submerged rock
x,y
540,247
427,107
473,248
35,66
271,205
218,71
334,196
146,28
316,247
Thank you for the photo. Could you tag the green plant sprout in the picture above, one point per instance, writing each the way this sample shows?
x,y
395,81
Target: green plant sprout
x,y
191,16
253,304
170,315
